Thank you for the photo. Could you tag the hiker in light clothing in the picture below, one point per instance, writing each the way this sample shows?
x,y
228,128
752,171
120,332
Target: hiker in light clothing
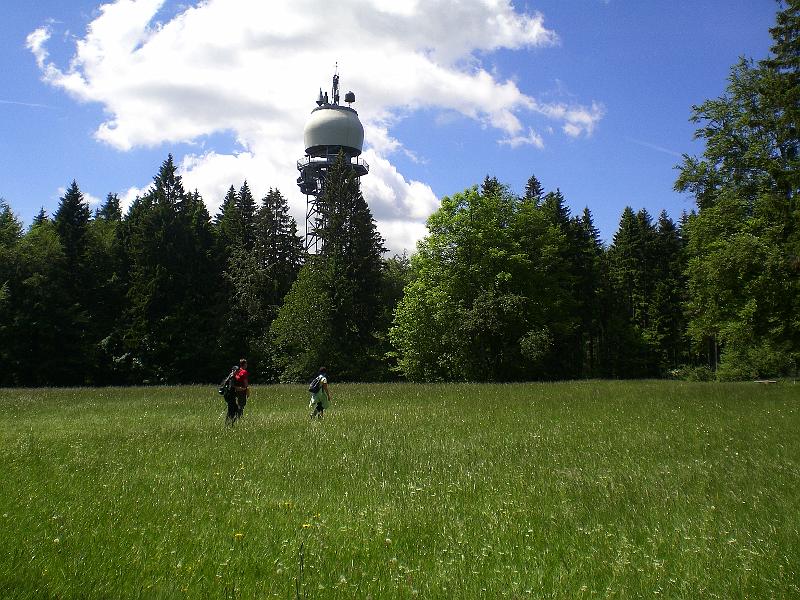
x,y
321,399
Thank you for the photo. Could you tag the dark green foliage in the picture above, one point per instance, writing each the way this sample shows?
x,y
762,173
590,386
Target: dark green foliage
x,y
246,205
508,288
341,286
486,299
743,266
302,330
169,243
534,192
110,211
227,226
40,217
75,280
71,220
645,296
264,254
10,227
46,335
150,296
589,290
278,254
10,263
105,261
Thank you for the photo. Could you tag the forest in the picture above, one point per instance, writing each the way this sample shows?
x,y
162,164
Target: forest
x,y
504,287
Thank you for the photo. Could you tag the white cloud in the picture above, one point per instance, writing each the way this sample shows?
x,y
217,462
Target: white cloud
x,y
391,196
401,235
126,198
252,69
532,139
35,42
582,121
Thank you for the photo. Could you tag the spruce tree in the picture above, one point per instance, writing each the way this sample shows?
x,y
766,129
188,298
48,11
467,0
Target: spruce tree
x,y
71,220
589,290
10,265
246,205
344,281
169,242
534,192
48,326
110,211
278,249
629,354
228,226
40,217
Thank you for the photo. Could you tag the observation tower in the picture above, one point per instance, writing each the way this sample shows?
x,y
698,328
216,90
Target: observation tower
x,y
330,129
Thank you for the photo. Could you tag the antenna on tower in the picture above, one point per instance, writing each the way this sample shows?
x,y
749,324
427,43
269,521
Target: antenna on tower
x,y
336,85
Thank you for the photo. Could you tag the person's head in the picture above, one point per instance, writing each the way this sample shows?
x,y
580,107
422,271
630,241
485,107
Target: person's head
x,y
323,371
242,363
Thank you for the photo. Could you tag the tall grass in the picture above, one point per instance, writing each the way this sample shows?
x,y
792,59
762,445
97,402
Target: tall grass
x,y
591,489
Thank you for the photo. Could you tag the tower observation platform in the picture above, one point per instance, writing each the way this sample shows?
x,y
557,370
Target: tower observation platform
x,y
330,129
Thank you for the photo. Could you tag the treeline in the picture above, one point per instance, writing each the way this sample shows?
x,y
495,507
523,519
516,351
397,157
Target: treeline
x,y
503,287
509,288
167,294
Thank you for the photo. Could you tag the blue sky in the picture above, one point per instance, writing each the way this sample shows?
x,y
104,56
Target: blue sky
x,y
591,96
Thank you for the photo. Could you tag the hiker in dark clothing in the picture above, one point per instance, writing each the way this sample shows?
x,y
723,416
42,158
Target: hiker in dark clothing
x,y
241,386
235,390
321,398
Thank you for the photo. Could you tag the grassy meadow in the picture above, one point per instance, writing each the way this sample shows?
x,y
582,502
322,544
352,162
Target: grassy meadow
x,y
566,490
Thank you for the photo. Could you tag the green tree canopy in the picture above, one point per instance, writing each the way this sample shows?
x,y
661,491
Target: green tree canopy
x,y
345,283
743,270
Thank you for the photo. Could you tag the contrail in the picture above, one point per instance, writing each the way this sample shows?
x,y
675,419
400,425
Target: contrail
x,y
655,147
30,104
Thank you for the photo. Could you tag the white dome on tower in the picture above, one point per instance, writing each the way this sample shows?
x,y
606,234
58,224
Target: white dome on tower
x,y
331,128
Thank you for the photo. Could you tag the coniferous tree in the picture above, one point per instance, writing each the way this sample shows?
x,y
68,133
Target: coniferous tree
x,y
278,246
335,299
629,354
589,293
534,192
40,217
169,244
351,255
668,324
106,290
111,210
71,222
199,361
48,326
10,226
278,256
564,252
240,300
246,206
228,242
227,227
10,259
